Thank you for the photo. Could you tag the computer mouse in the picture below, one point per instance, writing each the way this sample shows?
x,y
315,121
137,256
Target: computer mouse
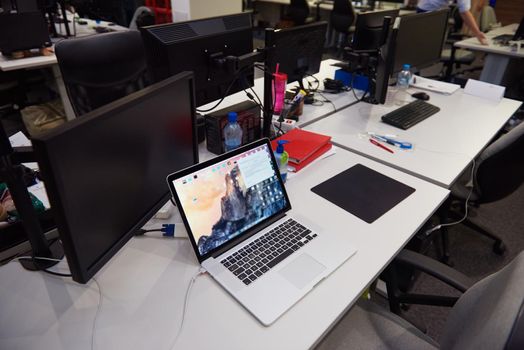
x,y
421,96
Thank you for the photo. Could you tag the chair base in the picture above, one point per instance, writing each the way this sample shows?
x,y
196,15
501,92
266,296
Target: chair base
x,y
446,214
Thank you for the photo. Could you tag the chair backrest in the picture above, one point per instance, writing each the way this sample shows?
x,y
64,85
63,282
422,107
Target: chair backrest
x,y
298,11
143,16
499,170
490,315
101,68
457,19
342,16
487,18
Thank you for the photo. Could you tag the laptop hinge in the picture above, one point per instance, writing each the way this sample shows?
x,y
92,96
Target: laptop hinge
x,y
252,231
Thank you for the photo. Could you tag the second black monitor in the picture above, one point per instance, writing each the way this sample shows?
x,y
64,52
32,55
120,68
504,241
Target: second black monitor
x,y
198,46
297,50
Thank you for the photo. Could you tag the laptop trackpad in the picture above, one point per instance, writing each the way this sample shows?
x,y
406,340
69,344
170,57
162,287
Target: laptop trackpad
x,y
301,271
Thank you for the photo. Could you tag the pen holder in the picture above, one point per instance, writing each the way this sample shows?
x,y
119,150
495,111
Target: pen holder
x,y
279,91
287,104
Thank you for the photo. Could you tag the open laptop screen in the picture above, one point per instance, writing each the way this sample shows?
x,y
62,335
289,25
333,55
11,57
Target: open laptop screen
x,y
225,199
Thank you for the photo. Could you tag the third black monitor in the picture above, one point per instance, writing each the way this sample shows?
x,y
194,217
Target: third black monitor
x,y
368,29
420,39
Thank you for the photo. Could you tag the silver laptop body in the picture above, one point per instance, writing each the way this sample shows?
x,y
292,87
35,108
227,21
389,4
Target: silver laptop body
x,y
245,234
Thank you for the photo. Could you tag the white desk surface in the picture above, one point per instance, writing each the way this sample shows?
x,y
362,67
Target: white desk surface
x,y
310,114
144,285
444,144
8,64
492,48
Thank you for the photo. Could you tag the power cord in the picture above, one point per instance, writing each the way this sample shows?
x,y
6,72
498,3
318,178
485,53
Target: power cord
x,y
201,271
98,308
438,227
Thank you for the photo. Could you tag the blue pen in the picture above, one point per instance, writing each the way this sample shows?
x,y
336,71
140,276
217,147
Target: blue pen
x,y
396,143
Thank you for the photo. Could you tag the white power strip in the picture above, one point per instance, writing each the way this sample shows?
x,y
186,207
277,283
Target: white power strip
x,y
286,125
165,211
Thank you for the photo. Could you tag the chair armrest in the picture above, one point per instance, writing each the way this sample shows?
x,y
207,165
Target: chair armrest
x,y
435,268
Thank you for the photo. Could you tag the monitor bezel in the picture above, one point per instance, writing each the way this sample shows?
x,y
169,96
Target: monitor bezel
x,y
249,232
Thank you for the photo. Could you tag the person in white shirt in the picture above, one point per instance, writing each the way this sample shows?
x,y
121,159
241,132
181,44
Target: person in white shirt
x,y
464,9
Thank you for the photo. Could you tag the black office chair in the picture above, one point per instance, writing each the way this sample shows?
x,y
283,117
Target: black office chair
x,y
341,20
489,315
298,12
498,172
101,68
453,57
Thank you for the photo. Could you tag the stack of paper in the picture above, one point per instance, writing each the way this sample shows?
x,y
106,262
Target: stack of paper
x,y
434,85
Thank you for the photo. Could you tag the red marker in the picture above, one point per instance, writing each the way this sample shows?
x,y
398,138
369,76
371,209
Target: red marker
x,y
376,143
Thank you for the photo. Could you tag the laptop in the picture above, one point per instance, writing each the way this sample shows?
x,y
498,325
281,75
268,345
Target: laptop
x,y
519,34
246,236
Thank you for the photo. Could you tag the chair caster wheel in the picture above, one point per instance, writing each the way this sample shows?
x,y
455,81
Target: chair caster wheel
x,y
499,248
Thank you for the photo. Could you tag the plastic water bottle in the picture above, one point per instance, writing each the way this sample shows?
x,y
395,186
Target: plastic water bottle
x,y
403,81
232,133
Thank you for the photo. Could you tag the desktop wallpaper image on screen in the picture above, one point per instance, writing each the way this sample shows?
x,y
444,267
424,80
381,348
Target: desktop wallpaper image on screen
x,y
223,201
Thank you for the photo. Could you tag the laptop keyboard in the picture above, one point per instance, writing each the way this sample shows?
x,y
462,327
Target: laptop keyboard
x,y
259,256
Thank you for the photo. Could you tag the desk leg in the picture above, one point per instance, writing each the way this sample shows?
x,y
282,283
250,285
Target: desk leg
x,y
70,114
494,68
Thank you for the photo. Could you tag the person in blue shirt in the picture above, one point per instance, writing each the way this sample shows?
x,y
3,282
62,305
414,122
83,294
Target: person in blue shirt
x,y
464,7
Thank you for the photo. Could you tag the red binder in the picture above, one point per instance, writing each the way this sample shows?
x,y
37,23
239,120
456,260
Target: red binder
x,y
296,167
303,147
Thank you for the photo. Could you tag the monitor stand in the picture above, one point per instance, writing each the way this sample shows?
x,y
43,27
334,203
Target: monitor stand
x,y
12,174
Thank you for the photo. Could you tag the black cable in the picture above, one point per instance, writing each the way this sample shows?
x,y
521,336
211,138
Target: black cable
x,y
316,80
327,100
237,75
57,273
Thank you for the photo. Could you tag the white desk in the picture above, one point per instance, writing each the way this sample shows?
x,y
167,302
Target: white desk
x,y
445,143
8,64
497,57
310,113
144,285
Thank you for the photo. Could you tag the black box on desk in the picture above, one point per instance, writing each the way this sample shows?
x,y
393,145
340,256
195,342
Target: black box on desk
x,y
248,117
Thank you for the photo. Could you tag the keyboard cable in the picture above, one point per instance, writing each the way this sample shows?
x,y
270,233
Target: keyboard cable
x,y
438,227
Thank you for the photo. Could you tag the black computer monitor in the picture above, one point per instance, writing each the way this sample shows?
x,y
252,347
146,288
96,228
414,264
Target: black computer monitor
x,y
23,31
379,79
368,30
199,46
420,39
105,172
297,50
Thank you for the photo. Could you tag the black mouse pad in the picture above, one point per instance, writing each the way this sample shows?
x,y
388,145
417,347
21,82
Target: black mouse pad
x,y
363,192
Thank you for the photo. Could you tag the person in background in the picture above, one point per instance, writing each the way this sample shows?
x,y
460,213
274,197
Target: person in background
x,y
464,7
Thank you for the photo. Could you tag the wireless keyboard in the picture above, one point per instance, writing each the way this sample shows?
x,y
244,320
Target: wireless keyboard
x,y
412,113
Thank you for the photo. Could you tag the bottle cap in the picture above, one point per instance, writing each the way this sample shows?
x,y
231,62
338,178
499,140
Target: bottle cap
x,y
232,117
406,66
280,147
